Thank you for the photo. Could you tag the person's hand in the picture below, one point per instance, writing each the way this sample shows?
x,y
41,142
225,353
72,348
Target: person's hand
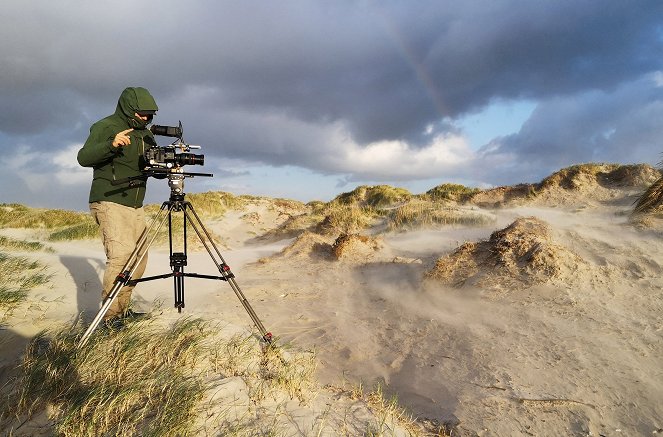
x,y
122,139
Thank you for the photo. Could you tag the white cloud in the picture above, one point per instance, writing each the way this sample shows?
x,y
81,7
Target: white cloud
x,y
398,159
658,78
67,170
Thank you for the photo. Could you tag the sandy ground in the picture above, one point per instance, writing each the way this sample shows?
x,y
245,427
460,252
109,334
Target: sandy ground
x,y
578,355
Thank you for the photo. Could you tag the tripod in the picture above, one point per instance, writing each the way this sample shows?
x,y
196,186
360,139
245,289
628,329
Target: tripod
x,y
178,260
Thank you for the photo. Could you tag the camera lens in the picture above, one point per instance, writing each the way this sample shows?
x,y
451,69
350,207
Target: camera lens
x,y
190,159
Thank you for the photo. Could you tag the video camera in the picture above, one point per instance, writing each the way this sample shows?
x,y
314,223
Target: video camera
x,y
168,156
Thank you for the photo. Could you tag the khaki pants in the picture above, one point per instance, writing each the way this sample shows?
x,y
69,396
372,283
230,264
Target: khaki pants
x,y
121,227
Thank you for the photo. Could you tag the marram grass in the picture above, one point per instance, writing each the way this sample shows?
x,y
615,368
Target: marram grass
x,y
85,230
18,275
138,381
12,244
146,379
19,216
422,213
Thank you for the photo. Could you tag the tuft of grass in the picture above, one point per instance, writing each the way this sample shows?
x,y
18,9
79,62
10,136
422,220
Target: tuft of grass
x,y
15,215
149,380
85,230
27,246
421,213
270,370
650,200
293,375
378,196
18,275
453,192
572,177
387,411
211,204
137,381
347,219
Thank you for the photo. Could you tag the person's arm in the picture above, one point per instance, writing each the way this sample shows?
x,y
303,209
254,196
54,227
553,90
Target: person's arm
x,y
102,147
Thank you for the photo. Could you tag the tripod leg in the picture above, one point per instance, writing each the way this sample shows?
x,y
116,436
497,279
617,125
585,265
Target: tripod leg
x,y
178,279
224,269
123,278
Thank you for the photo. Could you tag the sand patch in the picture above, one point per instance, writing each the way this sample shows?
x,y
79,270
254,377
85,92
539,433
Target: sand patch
x,y
307,245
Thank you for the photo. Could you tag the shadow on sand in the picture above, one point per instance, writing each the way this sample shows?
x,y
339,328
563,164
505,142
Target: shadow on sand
x,y
86,275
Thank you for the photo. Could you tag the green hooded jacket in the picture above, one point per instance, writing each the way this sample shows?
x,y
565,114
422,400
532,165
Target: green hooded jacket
x,y
114,163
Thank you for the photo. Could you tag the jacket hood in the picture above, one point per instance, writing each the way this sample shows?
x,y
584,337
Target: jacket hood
x,y
135,100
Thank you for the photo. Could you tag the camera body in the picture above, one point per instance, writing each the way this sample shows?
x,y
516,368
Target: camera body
x,y
175,155
168,156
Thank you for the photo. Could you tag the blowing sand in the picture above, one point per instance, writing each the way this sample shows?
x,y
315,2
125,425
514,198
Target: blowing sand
x,y
552,329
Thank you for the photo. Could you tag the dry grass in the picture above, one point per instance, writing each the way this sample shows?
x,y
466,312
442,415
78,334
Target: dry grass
x,y
451,192
650,200
65,225
379,196
146,379
346,219
388,412
134,382
12,244
18,216
422,213
18,275
87,229
518,256
577,176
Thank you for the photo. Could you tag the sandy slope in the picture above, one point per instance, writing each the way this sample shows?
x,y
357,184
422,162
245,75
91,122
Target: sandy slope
x,y
577,355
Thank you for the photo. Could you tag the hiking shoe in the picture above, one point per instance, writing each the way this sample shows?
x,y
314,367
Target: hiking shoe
x,y
131,314
113,323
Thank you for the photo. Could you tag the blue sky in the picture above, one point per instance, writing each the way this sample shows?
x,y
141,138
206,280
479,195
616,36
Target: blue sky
x,y
306,99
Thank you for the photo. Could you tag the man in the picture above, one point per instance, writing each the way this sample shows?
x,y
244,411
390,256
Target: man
x,y
115,151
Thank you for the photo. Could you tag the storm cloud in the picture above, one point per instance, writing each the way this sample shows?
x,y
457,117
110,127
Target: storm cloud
x,y
365,91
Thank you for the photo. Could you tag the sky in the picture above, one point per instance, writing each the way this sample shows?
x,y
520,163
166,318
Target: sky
x,y
309,99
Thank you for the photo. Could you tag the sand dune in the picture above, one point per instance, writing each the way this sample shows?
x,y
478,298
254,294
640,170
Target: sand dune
x,y
546,321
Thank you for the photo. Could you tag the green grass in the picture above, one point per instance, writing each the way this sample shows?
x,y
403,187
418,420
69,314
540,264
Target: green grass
x,y
7,243
87,229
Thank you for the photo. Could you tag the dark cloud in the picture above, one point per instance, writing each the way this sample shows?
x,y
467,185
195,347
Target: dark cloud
x,y
310,83
618,126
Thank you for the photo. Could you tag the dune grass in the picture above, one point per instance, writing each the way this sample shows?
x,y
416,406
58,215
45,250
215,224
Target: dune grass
x,y
145,379
421,214
453,192
15,215
133,382
87,229
378,196
650,200
18,275
211,204
346,219
12,244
